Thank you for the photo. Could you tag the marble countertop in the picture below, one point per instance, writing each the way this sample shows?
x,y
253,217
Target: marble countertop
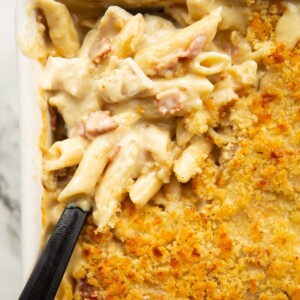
x,y
10,214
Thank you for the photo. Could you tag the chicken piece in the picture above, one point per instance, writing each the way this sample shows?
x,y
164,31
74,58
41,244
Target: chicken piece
x,y
125,81
73,75
169,102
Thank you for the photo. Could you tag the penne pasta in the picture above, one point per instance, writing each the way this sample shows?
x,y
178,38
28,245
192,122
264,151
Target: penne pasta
x,y
108,26
189,163
179,13
95,160
158,143
290,19
145,187
132,34
233,12
209,63
66,153
114,182
61,29
90,169
148,58
182,135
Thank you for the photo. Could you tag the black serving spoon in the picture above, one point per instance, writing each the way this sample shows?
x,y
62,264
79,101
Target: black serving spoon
x,y
47,274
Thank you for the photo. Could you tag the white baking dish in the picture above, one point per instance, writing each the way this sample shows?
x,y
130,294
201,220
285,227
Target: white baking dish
x,y
30,128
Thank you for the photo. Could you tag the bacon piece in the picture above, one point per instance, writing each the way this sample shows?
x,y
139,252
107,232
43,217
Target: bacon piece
x,y
195,46
99,122
169,102
168,62
94,124
171,61
100,49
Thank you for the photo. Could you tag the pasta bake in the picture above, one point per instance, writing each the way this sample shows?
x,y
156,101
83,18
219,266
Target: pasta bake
x,y
178,124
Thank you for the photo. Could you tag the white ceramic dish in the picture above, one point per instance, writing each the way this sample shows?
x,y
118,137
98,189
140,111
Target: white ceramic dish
x,y
30,127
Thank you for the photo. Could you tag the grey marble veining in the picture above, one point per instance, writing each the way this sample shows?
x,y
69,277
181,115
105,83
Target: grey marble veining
x,y
10,214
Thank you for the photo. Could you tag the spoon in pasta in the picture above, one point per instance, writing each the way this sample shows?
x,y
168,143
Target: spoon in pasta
x,y
46,276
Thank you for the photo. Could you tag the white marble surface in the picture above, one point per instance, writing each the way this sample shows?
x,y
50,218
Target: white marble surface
x,y
10,230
